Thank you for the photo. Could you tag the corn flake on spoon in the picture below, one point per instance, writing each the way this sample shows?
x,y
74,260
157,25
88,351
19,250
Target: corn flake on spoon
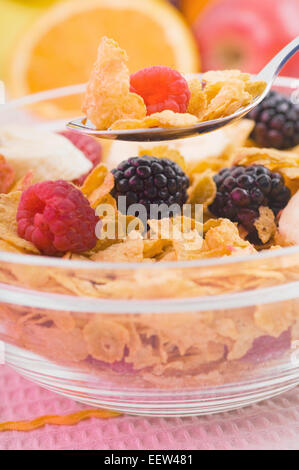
x,y
268,74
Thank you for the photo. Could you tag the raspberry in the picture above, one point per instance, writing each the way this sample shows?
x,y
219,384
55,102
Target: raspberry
x,y
277,122
242,190
88,145
150,180
56,218
161,88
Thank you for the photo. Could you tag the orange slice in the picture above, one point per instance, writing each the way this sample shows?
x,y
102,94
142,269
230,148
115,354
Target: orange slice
x,y
61,46
192,8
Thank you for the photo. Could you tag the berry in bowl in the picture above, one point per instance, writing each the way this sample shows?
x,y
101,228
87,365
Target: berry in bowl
x,y
184,312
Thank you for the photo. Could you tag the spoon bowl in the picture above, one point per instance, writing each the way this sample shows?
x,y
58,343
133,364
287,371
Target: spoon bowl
x,y
268,74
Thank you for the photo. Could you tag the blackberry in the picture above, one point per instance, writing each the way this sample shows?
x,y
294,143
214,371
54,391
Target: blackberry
x,y
276,122
149,180
242,190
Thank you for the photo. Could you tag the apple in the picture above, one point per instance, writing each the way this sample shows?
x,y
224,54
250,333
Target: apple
x,y
245,35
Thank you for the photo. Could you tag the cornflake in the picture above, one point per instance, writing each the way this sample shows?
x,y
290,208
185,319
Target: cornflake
x,y
8,223
98,185
163,151
170,229
203,189
198,101
108,98
164,119
129,251
155,248
230,97
265,224
225,239
188,246
216,79
106,339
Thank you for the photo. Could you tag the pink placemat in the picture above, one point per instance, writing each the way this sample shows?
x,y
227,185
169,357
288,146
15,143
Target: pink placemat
x,y
273,424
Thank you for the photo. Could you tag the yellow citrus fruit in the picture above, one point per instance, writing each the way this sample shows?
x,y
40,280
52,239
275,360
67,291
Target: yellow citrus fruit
x,y
60,47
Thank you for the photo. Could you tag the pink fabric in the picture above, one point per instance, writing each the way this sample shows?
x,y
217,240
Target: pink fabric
x,y
273,424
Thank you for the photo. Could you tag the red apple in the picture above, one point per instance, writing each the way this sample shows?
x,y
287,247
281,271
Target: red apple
x,y
246,34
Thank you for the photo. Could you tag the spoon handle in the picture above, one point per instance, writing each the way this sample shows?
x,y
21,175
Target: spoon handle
x,y
272,69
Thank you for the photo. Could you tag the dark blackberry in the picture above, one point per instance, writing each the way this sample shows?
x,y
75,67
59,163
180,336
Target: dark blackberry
x,y
276,122
149,180
242,190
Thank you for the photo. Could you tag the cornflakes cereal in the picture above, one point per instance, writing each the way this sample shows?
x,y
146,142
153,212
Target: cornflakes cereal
x,y
269,157
154,248
106,340
8,223
231,97
115,227
163,151
198,102
168,118
269,319
226,236
129,251
108,98
165,119
98,185
212,223
255,88
169,229
265,224
5,246
203,189
216,79
181,236
54,343
127,124
188,246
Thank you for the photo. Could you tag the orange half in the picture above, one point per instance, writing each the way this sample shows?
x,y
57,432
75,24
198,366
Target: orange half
x,y
192,8
61,46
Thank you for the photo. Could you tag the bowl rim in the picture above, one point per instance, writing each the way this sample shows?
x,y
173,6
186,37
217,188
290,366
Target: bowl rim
x,y
34,260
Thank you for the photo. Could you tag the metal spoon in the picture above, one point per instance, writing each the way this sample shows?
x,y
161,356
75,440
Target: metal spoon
x,y
268,74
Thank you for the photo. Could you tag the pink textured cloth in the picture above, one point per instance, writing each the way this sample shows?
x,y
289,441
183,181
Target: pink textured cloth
x,y
273,424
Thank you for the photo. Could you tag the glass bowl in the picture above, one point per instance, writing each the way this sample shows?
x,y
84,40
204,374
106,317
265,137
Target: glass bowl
x,y
164,339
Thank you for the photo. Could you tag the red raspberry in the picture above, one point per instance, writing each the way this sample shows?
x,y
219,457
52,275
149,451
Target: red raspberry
x,y
88,145
56,218
7,175
161,88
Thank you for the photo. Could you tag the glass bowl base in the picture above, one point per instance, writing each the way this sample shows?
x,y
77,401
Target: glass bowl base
x,y
92,391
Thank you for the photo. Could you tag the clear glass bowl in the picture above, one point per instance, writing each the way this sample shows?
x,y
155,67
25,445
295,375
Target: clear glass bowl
x,y
163,339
